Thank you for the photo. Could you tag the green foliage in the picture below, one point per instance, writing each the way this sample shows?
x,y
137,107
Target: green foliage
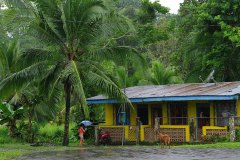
x,y
217,138
4,136
52,133
10,154
208,31
7,113
23,131
64,57
149,10
162,75
237,132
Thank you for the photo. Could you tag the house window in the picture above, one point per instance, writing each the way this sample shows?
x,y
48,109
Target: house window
x,y
122,114
177,113
223,110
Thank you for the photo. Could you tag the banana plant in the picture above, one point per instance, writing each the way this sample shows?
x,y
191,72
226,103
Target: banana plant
x,y
8,116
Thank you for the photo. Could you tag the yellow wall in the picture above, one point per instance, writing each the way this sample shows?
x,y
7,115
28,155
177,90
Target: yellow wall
x,y
212,112
192,110
133,115
205,128
238,108
164,113
109,114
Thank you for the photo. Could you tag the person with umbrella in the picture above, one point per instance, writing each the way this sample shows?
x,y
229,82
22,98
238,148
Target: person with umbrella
x,y
81,131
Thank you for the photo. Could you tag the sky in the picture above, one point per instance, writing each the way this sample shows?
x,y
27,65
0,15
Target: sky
x,y
172,4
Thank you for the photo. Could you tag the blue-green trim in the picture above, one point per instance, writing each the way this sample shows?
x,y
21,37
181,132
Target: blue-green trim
x,y
160,99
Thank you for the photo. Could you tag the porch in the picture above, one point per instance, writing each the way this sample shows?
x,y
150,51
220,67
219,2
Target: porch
x,y
177,133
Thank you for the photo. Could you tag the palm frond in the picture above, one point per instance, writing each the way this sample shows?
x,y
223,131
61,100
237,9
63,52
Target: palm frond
x,y
4,67
97,77
78,87
18,79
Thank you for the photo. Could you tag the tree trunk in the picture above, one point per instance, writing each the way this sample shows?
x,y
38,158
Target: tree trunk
x,y
67,89
12,124
30,115
12,127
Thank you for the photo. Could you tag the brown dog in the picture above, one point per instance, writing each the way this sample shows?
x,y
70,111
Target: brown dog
x,y
164,140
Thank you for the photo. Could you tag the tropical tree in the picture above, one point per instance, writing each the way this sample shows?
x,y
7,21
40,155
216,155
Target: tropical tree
x,y
73,38
26,96
8,115
9,53
161,75
208,39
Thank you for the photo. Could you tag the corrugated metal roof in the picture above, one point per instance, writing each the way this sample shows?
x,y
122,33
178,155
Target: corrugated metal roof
x,y
181,90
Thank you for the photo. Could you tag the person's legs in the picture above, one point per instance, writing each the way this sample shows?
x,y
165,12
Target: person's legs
x,y
81,139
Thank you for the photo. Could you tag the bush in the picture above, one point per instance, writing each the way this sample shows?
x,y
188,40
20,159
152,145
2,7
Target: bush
x,y
4,137
52,133
23,130
238,135
217,138
214,138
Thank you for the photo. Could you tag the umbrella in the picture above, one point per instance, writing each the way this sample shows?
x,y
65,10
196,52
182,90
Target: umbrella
x,y
86,123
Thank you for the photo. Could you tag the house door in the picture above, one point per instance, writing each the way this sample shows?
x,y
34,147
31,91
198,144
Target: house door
x,y
203,115
142,113
156,112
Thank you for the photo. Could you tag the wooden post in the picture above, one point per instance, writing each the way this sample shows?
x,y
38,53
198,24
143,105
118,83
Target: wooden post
x,y
138,130
191,129
232,128
156,127
96,131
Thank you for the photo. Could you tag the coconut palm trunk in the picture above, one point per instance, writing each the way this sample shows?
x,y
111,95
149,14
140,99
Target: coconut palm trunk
x,y
67,89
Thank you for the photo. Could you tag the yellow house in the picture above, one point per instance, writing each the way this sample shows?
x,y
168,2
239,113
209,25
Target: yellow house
x,y
184,111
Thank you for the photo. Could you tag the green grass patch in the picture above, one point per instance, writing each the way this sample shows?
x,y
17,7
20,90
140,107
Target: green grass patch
x,y
213,145
52,133
5,155
4,137
9,151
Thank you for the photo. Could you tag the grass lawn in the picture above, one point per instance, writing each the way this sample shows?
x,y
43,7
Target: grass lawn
x,y
9,151
214,145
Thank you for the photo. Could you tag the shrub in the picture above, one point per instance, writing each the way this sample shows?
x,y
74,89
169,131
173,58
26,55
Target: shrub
x,y
4,137
23,130
53,133
217,138
238,135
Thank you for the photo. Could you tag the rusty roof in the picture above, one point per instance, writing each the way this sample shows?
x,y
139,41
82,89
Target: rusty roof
x,y
181,90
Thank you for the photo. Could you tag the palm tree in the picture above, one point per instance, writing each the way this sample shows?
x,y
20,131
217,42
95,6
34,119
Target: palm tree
x,y
8,59
24,96
75,37
161,75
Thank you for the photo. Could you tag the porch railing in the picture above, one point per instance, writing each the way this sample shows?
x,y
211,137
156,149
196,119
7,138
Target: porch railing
x,y
183,129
